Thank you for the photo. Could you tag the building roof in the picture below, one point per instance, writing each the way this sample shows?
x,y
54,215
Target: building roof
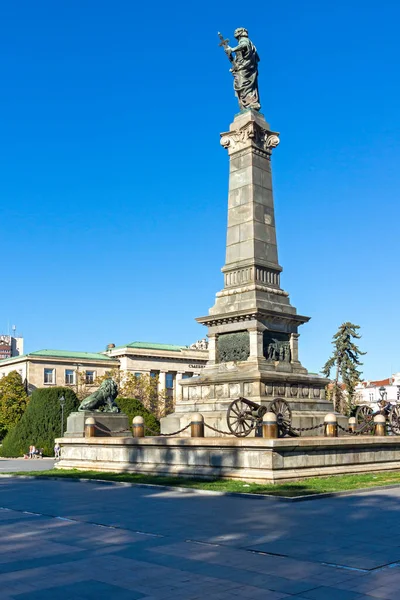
x,y
153,346
71,354
61,354
378,383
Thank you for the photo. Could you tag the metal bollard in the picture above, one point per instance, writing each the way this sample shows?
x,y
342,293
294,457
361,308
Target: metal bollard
x,y
352,424
90,423
331,429
138,426
380,425
197,425
270,426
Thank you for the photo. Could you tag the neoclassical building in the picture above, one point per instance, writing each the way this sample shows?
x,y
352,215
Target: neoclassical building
x,y
170,363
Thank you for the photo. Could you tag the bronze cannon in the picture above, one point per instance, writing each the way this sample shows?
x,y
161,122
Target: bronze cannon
x,y
244,416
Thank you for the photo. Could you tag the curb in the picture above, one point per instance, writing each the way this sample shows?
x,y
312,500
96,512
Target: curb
x,y
188,490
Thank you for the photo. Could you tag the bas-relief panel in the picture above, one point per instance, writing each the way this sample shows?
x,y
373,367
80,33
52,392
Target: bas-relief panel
x,y
221,391
276,346
205,391
234,390
279,389
233,346
248,389
293,391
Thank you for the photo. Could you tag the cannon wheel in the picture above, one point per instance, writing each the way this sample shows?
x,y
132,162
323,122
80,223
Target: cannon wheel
x,y
239,417
394,419
283,416
364,418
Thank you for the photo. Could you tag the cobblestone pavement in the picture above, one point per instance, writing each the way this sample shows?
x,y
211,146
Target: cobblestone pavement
x,y
14,465
67,540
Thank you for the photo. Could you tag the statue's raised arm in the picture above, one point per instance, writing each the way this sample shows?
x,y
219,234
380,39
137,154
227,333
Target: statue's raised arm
x,y
244,70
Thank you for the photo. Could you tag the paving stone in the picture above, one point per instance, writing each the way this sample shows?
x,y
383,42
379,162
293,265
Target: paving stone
x,y
44,557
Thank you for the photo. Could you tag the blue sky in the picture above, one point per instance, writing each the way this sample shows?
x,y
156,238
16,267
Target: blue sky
x,y
114,185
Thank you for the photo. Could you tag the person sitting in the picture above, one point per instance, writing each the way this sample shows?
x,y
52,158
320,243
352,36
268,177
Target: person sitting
x,y
32,451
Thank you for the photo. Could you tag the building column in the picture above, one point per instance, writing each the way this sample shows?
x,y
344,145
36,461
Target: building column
x,y
178,388
256,344
294,347
212,348
162,381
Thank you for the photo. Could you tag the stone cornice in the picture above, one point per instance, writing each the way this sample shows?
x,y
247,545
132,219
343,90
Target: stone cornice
x,y
251,315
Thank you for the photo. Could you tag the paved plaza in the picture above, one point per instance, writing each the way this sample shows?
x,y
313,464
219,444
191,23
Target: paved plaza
x,y
68,540
16,465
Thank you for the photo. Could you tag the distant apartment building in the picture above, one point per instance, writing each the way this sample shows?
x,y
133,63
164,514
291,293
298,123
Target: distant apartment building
x,y
11,346
169,363
369,392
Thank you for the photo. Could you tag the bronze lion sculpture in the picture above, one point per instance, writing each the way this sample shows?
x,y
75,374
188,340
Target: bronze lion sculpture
x,y
102,399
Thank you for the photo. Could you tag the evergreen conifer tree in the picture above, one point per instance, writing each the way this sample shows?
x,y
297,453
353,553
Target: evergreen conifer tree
x,y
41,422
345,360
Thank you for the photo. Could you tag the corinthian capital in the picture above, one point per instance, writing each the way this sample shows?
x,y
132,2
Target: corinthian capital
x,y
250,135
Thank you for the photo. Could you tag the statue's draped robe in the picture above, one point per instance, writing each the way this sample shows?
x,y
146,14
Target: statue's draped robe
x,y
245,72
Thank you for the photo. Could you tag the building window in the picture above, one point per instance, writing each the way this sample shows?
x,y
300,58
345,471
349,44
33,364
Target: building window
x,y
371,397
90,377
169,381
137,375
154,373
49,376
69,376
187,375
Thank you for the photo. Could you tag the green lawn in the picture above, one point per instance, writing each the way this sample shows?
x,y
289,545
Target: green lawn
x,y
316,485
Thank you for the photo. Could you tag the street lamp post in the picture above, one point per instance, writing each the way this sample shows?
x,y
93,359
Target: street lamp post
x,y
62,404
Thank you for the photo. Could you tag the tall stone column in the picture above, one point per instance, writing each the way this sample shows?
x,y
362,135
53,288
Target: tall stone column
x,y
252,326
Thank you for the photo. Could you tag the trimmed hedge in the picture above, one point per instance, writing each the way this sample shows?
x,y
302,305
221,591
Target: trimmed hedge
x,y
133,407
41,422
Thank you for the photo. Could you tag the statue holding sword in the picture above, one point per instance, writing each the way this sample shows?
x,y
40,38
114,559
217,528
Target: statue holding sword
x,y
244,69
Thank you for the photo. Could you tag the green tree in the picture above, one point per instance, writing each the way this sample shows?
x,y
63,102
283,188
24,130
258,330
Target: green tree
x,y
345,361
41,422
133,408
142,387
13,401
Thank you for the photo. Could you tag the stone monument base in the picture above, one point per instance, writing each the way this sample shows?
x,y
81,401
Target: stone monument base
x,y
255,460
217,419
211,393
107,424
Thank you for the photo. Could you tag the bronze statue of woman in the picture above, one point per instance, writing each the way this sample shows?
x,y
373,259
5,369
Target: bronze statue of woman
x,y
245,70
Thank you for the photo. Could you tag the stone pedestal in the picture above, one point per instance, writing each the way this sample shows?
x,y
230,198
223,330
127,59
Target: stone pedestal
x,y
252,327
107,424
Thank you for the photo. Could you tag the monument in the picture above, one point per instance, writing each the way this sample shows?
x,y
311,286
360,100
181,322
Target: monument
x,y
253,351
100,406
252,327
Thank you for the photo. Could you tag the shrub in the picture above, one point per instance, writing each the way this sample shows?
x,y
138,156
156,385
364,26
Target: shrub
x,y
41,422
13,401
133,407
